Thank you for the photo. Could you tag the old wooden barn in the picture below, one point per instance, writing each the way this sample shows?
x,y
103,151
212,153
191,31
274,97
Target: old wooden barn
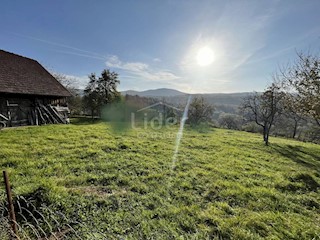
x,y
29,94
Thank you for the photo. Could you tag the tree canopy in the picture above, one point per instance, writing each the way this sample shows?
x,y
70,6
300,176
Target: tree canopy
x,y
200,111
301,80
101,90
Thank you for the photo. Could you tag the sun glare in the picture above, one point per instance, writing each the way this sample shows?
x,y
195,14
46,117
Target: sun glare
x,y
205,56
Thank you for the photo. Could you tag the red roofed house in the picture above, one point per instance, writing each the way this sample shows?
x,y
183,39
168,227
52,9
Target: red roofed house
x,y
29,94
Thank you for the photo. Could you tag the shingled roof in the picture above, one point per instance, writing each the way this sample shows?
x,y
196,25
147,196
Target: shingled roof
x,y
21,75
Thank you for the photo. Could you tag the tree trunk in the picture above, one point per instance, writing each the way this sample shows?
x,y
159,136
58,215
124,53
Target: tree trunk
x,y
295,129
266,135
267,139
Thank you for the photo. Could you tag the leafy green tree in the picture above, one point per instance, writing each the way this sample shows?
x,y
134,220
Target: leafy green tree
x,y
230,121
200,111
101,91
107,86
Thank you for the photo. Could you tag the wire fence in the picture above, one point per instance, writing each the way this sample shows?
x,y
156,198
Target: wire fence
x,y
41,222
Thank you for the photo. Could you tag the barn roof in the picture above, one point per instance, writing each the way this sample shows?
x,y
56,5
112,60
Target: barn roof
x,y
21,75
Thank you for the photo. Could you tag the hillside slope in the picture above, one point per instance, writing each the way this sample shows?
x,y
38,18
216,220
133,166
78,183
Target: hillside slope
x,y
225,184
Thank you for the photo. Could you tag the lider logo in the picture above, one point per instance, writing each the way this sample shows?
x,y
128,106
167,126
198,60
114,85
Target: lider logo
x,y
156,116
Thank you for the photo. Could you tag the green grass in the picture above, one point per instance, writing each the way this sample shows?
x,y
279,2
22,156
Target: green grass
x,y
226,184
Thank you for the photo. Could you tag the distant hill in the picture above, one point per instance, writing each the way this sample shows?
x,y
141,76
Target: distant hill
x,y
176,97
233,99
161,92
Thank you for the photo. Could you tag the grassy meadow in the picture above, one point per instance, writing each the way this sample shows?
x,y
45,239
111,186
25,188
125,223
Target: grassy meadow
x,y
107,185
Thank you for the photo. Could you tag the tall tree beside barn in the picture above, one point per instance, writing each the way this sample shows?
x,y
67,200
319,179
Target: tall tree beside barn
x,y
101,91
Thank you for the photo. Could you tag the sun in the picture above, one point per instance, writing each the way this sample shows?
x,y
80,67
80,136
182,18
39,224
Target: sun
x,y
205,56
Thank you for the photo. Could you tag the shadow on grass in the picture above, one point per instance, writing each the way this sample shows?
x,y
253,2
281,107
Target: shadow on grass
x,y
299,155
200,128
84,120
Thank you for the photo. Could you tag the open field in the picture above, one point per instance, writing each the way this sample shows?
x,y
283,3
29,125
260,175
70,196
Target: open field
x,y
226,184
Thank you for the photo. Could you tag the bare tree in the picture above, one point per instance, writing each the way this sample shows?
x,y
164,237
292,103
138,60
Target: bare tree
x,y
264,108
69,83
75,101
301,80
290,111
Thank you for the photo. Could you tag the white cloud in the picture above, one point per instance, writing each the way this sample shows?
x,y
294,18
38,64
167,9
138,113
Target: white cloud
x,y
140,70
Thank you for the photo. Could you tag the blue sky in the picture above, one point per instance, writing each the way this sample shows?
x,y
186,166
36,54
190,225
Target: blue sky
x,y
153,44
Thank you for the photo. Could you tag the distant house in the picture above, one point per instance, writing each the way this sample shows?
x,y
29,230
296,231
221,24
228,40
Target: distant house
x,y
29,94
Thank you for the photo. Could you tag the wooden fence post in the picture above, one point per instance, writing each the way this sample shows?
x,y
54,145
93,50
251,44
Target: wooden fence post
x,y
10,205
